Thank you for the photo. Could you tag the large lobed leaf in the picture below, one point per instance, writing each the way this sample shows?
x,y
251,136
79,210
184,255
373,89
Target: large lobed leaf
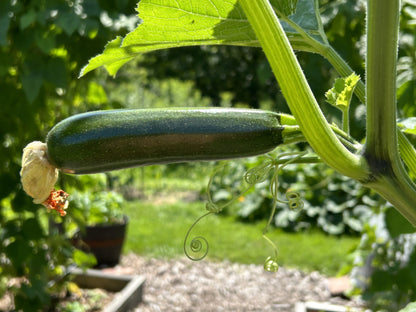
x,y
176,23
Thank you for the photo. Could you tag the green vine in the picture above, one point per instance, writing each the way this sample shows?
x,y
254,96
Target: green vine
x,y
252,177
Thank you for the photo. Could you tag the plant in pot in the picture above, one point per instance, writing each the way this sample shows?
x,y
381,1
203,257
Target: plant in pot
x,y
101,224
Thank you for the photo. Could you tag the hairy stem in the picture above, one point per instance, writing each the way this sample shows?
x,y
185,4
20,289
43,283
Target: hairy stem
x,y
381,150
297,91
382,36
407,151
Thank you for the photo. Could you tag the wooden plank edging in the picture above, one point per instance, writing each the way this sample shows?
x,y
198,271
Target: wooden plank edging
x,y
129,288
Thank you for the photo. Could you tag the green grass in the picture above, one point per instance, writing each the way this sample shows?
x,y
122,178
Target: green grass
x,y
159,231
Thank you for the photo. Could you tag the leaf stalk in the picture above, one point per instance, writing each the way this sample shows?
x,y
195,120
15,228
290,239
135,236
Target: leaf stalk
x,y
297,92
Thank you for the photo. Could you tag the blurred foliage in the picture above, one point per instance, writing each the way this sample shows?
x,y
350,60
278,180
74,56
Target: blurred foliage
x,y
406,79
135,87
43,45
335,204
99,207
383,270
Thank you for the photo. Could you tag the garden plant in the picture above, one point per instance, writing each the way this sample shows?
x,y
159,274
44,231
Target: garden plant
x,y
377,162
385,161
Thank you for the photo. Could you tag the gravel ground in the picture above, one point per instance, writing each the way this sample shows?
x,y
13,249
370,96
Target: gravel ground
x,y
184,285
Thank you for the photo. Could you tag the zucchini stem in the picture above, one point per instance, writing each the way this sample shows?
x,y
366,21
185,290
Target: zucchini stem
x,y
297,92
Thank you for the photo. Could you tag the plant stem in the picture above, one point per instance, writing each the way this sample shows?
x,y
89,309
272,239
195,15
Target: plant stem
x,y
346,120
382,36
381,149
297,91
407,151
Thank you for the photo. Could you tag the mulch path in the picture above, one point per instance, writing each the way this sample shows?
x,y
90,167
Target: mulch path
x,y
184,285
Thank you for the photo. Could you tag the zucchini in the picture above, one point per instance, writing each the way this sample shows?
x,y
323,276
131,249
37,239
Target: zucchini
x,y
114,139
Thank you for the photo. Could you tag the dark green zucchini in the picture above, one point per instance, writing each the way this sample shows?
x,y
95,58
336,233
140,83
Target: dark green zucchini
x,y
115,139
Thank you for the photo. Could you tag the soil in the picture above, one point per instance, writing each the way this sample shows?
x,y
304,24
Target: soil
x,y
184,285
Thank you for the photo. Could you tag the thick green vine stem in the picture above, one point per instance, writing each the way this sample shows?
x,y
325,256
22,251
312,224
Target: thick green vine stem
x,y
379,166
297,92
388,177
308,43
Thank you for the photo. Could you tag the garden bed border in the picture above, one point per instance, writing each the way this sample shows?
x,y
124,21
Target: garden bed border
x,y
129,288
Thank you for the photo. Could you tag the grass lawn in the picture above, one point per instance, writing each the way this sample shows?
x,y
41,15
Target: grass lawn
x,y
158,230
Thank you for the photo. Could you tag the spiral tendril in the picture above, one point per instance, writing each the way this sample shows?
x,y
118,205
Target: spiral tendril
x,y
196,246
258,174
195,251
199,245
295,202
270,264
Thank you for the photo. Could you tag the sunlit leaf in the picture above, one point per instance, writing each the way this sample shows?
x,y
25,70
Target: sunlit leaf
x,y
340,95
178,23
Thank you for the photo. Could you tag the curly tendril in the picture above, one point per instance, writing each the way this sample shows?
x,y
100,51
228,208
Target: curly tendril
x,y
271,265
198,247
295,202
258,174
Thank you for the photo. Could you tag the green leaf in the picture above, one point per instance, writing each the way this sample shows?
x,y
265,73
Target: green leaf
x,y
4,21
397,224
178,23
56,72
83,259
170,23
45,40
18,252
28,18
340,95
32,77
68,21
32,230
306,17
381,281
286,7
113,57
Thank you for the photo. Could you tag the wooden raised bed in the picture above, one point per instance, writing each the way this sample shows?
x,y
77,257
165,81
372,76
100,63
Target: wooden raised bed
x,y
129,288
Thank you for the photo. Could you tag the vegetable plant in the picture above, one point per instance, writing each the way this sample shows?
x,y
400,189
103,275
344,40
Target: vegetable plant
x,y
386,157
382,162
